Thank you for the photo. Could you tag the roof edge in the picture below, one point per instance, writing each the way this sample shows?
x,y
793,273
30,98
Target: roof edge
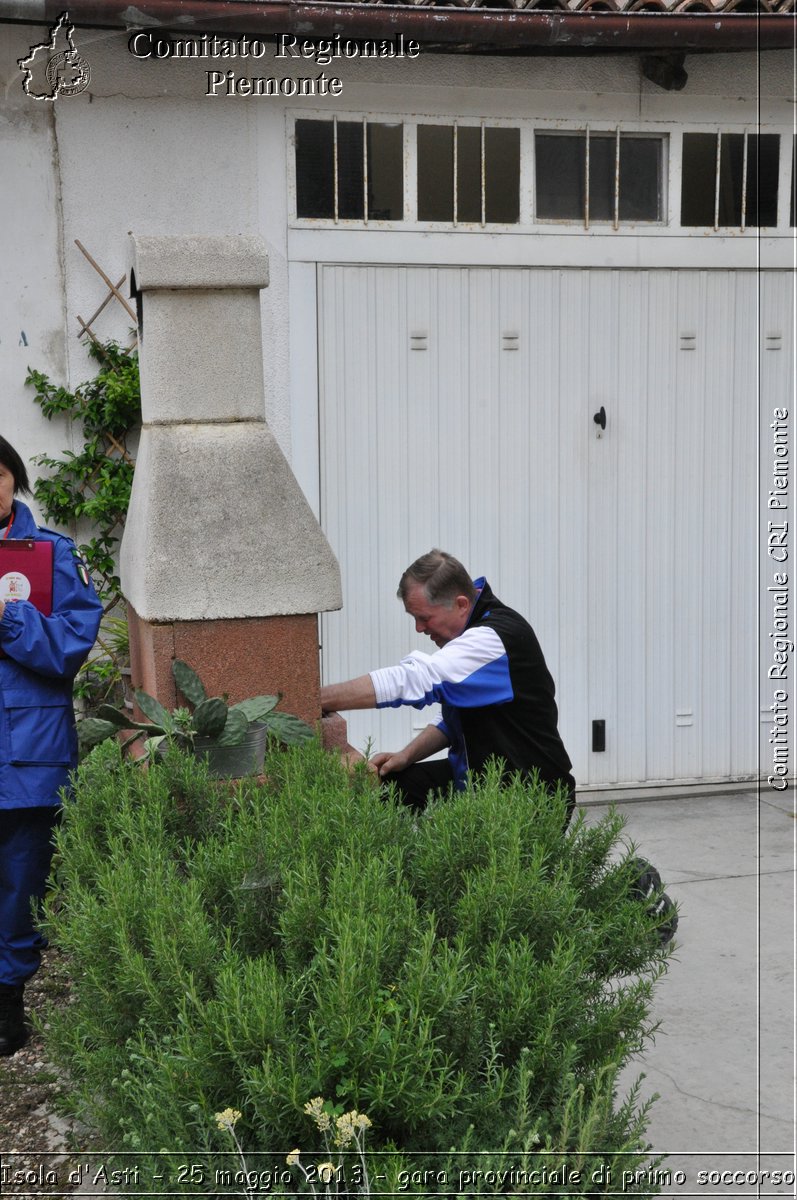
x,y
449,27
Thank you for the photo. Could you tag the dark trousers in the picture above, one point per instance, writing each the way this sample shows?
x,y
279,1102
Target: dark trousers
x,y
416,782
26,850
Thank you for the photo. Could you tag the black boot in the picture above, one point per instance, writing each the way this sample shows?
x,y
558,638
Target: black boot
x,y
646,886
13,1030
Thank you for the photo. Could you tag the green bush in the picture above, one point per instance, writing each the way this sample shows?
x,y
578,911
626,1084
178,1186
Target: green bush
x,y
472,980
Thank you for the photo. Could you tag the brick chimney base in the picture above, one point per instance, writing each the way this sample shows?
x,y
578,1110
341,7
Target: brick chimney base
x,y
247,656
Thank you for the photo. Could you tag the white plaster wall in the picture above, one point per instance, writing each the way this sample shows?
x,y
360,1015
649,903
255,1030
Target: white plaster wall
x,y
145,150
132,156
32,330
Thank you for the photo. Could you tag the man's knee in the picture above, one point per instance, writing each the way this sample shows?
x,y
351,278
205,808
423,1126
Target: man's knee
x,y
416,783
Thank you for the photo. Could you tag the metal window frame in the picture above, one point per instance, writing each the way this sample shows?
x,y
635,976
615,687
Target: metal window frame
x,y
745,132
619,134
482,124
670,180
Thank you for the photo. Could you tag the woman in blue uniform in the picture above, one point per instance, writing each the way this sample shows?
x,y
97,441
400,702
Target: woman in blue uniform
x,y
38,743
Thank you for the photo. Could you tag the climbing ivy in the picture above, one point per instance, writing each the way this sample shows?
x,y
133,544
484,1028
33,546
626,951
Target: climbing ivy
x,y
93,484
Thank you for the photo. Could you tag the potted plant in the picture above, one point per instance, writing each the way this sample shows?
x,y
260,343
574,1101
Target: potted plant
x,y
232,737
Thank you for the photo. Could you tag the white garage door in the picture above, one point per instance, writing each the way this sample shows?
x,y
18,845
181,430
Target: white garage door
x,y
457,410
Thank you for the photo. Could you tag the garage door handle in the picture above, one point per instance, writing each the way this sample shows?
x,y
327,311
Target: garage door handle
x,y
600,417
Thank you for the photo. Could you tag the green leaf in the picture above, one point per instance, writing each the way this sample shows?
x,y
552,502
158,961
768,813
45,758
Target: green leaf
x,y
151,746
257,708
153,709
92,731
122,721
210,717
119,718
235,729
94,483
188,682
289,729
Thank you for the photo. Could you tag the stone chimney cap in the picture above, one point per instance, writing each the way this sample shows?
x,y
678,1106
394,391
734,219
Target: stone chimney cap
x,y
194,261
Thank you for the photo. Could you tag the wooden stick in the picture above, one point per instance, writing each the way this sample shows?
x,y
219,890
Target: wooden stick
x,y
89,331
117,446
102,275
106,301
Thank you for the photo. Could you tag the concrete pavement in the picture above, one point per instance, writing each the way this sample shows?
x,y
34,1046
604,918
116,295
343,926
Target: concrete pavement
x,y
723,1061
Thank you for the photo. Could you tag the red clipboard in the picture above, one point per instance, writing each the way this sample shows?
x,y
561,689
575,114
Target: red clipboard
x,y
26,573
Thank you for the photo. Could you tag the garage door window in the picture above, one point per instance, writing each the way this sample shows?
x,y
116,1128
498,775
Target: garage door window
x,y
730,179
349,170
600,176
474,175
469,173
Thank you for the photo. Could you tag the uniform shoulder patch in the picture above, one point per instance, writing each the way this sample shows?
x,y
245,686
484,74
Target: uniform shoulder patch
x,y
81,566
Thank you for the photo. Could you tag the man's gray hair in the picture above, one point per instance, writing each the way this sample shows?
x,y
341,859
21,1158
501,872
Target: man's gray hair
x,y
442,576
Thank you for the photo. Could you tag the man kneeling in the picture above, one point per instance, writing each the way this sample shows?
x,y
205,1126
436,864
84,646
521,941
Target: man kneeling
x,y
489,675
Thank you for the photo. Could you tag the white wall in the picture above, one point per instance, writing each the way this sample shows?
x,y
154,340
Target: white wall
x,y
144,149
31,280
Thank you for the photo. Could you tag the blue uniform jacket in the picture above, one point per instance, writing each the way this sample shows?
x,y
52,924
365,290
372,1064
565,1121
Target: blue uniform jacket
x,y
38,742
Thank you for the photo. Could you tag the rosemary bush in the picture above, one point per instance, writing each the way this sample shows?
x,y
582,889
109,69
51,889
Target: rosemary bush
x,y
472,980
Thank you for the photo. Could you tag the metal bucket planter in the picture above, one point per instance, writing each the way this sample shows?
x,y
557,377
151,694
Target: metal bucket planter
x,y
231,762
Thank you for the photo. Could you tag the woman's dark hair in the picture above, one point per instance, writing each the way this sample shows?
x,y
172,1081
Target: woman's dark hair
x,y
13,463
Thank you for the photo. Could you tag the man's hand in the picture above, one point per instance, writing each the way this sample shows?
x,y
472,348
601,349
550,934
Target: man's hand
x,y
388,761
428,742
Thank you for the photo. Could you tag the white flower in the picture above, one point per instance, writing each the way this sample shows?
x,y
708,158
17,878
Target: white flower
x,y
228,1119
315,1109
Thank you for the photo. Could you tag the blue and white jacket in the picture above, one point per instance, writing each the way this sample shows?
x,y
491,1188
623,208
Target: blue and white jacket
x,y
38,743
496,692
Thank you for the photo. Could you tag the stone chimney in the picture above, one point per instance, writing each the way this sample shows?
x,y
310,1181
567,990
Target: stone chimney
x,y
223,563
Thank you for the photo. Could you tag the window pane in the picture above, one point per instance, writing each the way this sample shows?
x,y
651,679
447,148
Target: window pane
x,y
763,152
435,173
731,171
469,173
350,170
502,175
698,178
640,179
314,169
385,172
602,154
560,175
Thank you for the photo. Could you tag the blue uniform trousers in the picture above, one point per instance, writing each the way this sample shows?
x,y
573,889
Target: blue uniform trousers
x,y
26,850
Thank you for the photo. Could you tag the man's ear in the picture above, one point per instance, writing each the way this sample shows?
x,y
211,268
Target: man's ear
x,y
462,605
